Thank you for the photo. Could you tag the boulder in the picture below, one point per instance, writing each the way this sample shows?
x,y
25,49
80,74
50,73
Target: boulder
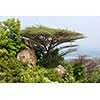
x,y
47,80
27,56
60,69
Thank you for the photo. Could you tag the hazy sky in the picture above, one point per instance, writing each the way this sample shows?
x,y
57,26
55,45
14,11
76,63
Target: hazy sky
x,y
89,26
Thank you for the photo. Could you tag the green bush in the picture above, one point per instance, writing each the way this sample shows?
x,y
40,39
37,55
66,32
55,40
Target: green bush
x,y
95,77
10,70
76,73
79,72
69,77
33,75
52,75
14,71
10,38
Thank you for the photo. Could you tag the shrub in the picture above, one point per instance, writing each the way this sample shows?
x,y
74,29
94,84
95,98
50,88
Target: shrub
x,y
95,77
52,75
10,38
88,62
76,72
14,71
79,72
11,69
69,77
33,75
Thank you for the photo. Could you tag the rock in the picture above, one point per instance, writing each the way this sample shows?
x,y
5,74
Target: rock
x,y
27,56
60,69
47,80
55,82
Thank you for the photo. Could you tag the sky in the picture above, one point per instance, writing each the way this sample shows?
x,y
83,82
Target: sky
x,y
88,25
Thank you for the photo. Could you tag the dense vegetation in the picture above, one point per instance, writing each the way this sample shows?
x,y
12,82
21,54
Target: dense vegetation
x,y
48,44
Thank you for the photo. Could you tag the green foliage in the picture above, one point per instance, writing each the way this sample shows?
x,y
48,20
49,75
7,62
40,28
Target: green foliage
x,y
40,52
69,76
13,71
76,73
95,77
10,70
52,60
33,75
10,38
79,72
89,63
52,75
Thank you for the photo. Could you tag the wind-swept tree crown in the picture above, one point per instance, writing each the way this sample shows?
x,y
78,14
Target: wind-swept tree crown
x,y
51,37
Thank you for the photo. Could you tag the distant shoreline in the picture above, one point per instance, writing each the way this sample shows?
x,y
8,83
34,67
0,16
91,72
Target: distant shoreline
x,y
89,53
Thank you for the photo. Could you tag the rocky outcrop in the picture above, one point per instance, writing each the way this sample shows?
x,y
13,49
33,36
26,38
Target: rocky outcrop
x,y
60,69
27,56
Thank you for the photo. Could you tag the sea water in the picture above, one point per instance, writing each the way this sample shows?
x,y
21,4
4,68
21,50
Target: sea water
x,y
90,53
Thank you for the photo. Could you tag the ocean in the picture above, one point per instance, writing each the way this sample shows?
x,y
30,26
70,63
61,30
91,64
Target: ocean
x,y
90,53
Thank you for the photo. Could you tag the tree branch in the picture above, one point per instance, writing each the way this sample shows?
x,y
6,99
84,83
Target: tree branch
x,y
67,46
67,52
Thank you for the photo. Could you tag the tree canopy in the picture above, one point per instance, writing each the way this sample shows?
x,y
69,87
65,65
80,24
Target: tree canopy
x,y
52,38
